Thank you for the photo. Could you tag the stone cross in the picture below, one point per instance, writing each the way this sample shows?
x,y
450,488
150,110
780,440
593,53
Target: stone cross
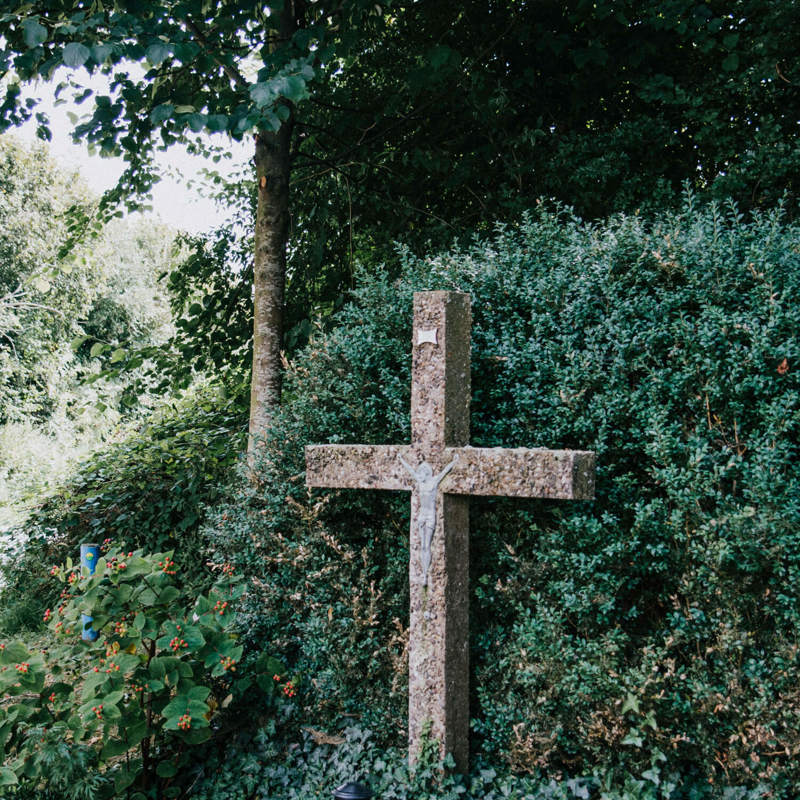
x,y
441,470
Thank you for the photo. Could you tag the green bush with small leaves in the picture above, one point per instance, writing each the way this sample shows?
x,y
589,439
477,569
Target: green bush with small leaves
x,y
648,633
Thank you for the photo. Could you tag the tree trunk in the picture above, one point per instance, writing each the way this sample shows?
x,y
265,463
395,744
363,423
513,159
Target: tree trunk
x,y
269,278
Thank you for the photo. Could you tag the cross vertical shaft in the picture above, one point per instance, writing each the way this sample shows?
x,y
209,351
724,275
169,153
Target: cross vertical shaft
x,y
440,373
438,649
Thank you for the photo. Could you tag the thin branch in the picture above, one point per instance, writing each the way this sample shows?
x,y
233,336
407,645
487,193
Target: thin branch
x,y
11,342
18,292
28,304
332,167
781,75
228,69
26,696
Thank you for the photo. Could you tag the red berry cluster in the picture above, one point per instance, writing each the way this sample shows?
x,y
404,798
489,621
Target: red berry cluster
x,y
54,570
98,710
220,607
52,697
228,569
289,689
185,722
120,628
23,667
106,545
177,643
116,563
167,566
228,663
47,614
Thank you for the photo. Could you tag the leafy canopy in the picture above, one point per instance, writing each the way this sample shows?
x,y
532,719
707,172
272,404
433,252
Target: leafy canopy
x,y
172,69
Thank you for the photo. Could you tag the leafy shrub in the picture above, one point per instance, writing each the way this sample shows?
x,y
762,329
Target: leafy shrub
x,y
264,768
319,763
148,488
650,632
150,686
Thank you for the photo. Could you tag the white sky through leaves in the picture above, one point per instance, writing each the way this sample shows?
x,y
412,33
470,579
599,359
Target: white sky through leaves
x,y
175,203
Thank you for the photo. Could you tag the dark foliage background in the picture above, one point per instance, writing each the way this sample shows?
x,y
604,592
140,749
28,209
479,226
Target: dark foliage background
x,y
450,116
650,631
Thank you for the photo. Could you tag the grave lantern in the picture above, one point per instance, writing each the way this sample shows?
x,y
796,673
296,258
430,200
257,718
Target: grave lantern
x,y
89,555
352,791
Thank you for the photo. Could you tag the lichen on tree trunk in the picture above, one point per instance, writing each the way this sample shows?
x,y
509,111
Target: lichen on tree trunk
x,y
271,230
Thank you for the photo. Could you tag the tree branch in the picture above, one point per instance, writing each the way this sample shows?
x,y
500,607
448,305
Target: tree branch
x,y
228,69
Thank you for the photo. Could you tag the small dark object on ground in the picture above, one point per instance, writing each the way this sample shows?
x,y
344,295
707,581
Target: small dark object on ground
x,y
353,791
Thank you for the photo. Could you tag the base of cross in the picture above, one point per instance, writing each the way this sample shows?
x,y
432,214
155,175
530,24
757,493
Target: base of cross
x,y
441,471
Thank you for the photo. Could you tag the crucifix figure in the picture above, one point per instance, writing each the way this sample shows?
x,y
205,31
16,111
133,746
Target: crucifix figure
x,y
448,471
427,486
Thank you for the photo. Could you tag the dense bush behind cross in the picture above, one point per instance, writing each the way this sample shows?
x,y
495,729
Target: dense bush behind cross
x,y
651,630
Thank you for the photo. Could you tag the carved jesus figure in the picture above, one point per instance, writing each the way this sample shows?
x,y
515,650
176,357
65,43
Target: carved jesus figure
x,y
428,485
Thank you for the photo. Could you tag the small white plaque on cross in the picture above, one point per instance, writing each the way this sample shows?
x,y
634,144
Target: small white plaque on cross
x,y
441,470
424,337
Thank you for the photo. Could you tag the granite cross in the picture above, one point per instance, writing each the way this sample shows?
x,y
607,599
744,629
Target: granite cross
x,y
441,471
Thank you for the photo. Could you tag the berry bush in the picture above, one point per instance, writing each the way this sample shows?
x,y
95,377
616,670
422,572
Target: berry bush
x,y
122,715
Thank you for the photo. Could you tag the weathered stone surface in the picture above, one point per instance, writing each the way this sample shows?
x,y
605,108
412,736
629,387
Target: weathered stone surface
x,y
517,472
438,647
440,395
440,382
522,472
358,466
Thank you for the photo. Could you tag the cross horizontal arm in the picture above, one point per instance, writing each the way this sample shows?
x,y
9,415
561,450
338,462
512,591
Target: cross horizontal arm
x,y
358,466
521,472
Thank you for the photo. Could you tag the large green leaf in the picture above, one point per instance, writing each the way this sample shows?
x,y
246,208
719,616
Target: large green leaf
x,y
35,32
157,53
166,769
162,112
14,653
75,54
7,777
113,748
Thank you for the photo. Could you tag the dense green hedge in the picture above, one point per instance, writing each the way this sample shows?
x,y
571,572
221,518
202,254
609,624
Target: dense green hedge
x,y
149,488
651,632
